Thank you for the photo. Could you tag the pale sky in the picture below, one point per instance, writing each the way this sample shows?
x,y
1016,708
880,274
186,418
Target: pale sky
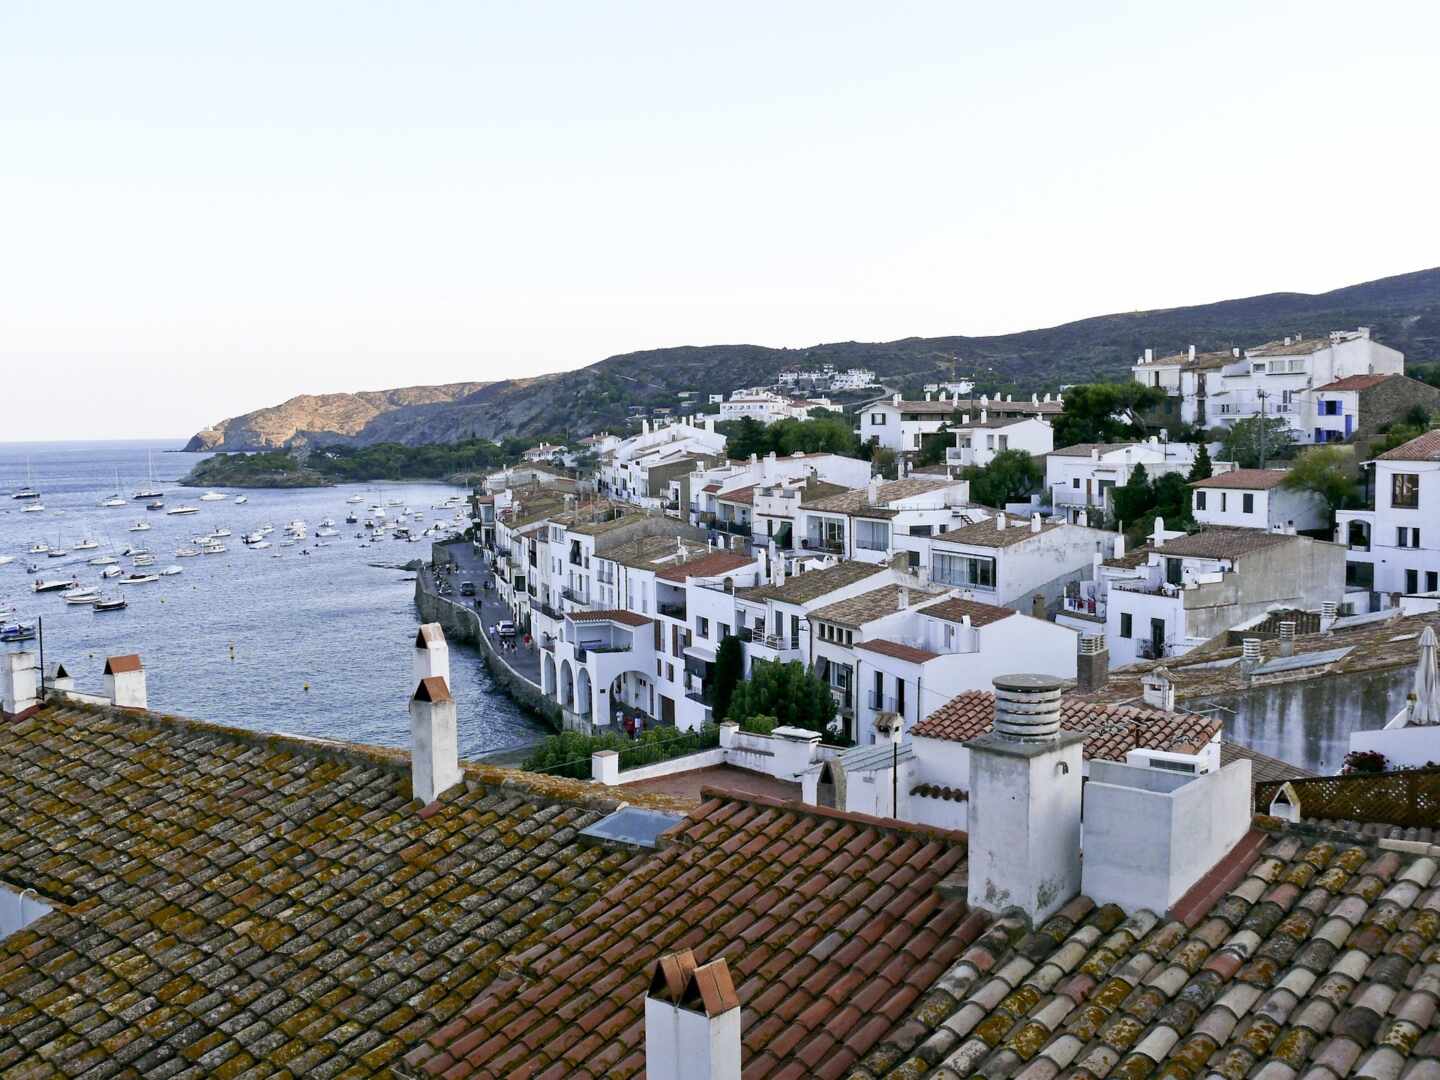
x,y
208,208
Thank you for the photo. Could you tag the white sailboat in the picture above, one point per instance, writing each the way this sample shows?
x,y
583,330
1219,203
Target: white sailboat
x,y
6,559
89,543
213,496
140,526
28,491
149,491
117,499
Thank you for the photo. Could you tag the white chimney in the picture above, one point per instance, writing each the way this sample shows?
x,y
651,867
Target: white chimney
x,y
1158,536
1034,523
1082,519
1119,546
19,684
984,415
1158,690
895,400
1024,810
1000,521
434,741
1149,355
432,654
1235,351
902,598
872,491
692,1021
927,395
1094,453
125,682
1329,612
58,678
1192,354
1287,637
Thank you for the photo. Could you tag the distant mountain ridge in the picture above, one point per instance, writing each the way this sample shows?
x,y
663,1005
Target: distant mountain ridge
x,y
1404,311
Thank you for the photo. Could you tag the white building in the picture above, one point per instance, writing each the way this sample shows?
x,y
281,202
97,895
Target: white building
x,y
766,408
1013,563
978,438
1166,598
639,469
1080,478
874,522
899,425
1278,378
723,498
1257,499
1394,549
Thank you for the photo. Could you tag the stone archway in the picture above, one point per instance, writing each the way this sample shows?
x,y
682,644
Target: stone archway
x,y
567,686
547,674
830,791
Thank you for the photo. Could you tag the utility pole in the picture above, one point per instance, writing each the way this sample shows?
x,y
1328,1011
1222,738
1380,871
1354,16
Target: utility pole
x,y
1262,395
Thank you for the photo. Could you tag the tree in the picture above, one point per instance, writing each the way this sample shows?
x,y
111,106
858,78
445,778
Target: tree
x,y
1011,476
729,666
1243,442
784,690
1104,412
885,463
1133,498
1327,471
1202,469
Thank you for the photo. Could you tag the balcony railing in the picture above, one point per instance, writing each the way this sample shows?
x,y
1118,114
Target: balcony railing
x,y
778,642
575,596
546,610
843,698
735,528
816,543
881,703
1084,605
674,611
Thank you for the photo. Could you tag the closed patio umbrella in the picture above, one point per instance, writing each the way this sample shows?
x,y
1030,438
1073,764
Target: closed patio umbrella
x,y
1426,709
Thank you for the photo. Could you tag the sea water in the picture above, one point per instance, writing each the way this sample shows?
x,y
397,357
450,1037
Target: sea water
x,y
274,640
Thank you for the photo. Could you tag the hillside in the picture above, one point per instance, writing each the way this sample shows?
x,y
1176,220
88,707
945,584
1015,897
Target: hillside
x,y
296,420
1403,310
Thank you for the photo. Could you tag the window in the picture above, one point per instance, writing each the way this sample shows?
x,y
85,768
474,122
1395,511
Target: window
x,y
920,530
1405,491
900,696
1223,500
722,631
1126,625
1360,575
964,570
877,419
1199,500
872,535
1432,581
702,626
1412,581
1075,482
1247,503
1407,537
1175,571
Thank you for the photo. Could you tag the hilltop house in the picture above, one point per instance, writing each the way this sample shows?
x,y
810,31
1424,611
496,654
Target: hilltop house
x,y
1080,478
1394,548
1257,499
898,424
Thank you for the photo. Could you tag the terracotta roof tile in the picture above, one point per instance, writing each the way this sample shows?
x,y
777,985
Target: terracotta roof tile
x,y
119,665
956,609
1422,448
814,584
899,650
1357,382
988,534
802,1014
1249,479
1222,543
1301,954
875,604
1110,730
240,903
712,565
619,615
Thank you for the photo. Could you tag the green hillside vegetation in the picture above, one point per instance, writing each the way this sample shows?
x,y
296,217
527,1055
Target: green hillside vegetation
x,y
349,464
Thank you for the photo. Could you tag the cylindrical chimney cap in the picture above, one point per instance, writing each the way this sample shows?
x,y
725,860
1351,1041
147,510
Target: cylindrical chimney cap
x,y
1027,706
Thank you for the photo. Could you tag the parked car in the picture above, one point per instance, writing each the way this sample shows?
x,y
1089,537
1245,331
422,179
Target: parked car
x,y
467,588
505,629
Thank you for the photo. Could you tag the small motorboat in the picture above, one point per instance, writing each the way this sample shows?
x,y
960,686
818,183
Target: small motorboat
x,y
241,500
216,548
351,519
144,560
326,532
88,544
175,511
56,553
186,552
6,559
111,572
111,603
213,496
33,508
80,596
134,550
156,505
104,560
355,499
17,632
171,571
260,545
221,533
39,547
54,584
113,501
139,579
140,526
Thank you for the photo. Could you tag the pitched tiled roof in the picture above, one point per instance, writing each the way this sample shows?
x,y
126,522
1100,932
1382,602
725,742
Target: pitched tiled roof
x,y
1318,958
813,584
955,609
1357,382
875,604
1249,479
1201,362
1422,448
233,904
989,535
1109,730
744,496
629,618
830,924
1082,450
857,500
711,565
898,649
1263,767
1224,543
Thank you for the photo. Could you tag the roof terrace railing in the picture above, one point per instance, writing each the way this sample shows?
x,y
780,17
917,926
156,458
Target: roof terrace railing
x,y
1408,798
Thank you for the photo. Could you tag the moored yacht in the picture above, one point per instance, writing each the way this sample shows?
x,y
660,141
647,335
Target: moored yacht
x,y
213,496
111,603
140,526
54,584
182,509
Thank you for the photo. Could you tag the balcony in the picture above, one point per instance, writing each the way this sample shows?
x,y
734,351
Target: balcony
x,y
882,703
674,611
575,596
844,700
734,528
815,543
778,643
546,610
1084,605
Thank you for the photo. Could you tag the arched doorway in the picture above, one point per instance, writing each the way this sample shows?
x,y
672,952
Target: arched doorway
x,y
547,674
583,692
825,791
567,686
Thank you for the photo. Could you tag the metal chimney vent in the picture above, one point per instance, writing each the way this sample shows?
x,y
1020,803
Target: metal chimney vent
x,y
1027,706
